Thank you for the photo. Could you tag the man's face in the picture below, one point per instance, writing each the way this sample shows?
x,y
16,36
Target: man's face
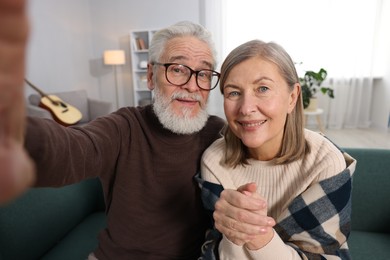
x,y
181,109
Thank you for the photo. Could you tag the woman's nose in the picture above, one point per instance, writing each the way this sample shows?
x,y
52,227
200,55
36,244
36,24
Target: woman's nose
x,y
248,104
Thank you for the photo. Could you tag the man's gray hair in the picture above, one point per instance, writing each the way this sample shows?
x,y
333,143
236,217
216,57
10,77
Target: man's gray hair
x,y
180,29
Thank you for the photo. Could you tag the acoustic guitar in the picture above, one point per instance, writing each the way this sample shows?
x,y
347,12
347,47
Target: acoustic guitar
x,y
62,112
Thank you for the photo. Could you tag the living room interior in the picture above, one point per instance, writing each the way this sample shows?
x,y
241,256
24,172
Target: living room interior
x,y
66,53
68,39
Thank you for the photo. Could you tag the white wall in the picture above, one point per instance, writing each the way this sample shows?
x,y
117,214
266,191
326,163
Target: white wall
x,y
68,38
113,20
60,45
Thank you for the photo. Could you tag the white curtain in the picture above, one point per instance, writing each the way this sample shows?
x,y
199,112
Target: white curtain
x,y
338,35
352,106
211,16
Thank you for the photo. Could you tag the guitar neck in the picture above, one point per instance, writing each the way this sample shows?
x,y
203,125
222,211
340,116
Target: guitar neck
x,y
43,94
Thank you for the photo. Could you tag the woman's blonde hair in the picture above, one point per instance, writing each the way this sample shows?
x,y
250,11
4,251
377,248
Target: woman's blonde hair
x,y
294,145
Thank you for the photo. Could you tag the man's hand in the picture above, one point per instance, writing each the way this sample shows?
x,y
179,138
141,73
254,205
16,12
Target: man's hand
x,y
241,215
16,168
16,171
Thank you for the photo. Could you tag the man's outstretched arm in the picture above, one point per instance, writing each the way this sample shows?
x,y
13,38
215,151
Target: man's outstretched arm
x,y
16,168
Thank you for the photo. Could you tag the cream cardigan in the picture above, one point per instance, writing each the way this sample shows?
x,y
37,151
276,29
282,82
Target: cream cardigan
x,y
282,185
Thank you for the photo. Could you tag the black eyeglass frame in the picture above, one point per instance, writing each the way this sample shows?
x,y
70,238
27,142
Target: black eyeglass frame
x,y
196,72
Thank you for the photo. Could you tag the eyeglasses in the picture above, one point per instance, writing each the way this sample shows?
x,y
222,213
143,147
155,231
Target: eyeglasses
x,y
179,75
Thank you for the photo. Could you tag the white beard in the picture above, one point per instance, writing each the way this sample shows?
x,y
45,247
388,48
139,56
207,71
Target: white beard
x,y
179,124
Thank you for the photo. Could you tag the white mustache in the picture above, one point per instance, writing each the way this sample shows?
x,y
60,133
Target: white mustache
x,y
180,95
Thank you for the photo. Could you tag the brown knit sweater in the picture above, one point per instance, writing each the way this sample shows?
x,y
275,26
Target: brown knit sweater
x,y
153,205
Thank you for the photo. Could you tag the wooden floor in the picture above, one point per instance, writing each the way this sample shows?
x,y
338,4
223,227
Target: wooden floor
x,y
359,138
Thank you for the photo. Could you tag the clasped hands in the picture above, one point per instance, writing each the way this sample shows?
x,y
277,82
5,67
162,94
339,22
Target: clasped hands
x,y
241,215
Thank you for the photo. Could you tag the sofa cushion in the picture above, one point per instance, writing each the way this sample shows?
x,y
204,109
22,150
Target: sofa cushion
x,y
79,242
78,99
34,99
370,190
369,245
35,222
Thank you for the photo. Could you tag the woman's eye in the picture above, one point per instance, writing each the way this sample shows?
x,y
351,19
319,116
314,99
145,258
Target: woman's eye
x,y
232,94
263,89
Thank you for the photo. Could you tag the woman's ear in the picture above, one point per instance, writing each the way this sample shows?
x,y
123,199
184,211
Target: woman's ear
x,y
294,94
150,77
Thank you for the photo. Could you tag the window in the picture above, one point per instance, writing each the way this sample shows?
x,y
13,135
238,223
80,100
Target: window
x,y
335,34
348,38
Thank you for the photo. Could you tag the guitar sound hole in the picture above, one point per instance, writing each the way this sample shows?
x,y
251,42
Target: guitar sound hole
x,y
63,105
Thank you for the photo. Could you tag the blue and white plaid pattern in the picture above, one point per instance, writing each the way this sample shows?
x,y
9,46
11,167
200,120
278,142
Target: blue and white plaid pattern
x,y
210,194
303,225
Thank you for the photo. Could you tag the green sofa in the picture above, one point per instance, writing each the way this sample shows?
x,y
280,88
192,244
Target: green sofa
x,y
63,223
53,223
370,236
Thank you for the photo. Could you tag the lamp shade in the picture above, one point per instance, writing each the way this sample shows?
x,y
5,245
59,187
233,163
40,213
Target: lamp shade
x,y
114,57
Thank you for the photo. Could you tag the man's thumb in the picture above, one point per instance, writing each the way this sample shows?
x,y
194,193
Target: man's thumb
x,y
249,187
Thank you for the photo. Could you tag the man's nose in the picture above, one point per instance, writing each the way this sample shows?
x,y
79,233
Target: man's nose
x,y
191,85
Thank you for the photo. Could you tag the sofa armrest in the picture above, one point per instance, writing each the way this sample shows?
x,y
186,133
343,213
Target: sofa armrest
x,y
98,108
37,221
38,112
370,190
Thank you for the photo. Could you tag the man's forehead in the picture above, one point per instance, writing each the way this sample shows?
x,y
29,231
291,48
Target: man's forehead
x,y
188,49
186,59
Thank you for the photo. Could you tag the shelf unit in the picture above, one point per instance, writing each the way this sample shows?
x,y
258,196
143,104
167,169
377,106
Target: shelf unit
x,y
139,44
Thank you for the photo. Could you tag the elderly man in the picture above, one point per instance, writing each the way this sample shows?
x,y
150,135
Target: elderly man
x,y
145,157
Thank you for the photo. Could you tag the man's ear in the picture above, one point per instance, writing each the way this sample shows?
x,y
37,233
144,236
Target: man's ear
x,y
150,77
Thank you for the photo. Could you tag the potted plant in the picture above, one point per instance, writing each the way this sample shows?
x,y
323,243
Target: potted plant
x,y
310,84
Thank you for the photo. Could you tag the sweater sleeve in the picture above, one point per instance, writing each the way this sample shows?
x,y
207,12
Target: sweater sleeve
x,y
212,172
317,222
316,225
229,250
65,155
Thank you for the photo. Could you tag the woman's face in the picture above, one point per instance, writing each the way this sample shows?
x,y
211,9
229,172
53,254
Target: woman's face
x,y
256,101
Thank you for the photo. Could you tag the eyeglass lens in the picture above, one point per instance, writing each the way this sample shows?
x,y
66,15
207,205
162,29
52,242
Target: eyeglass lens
x,y
178,74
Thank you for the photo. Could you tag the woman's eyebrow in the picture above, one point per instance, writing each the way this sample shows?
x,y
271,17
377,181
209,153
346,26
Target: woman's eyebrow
x,y
262,78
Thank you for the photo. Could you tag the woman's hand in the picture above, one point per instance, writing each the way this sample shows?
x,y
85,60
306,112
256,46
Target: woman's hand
x,y
241,215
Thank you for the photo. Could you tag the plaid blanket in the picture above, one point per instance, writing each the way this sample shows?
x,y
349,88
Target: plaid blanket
x,y
303,226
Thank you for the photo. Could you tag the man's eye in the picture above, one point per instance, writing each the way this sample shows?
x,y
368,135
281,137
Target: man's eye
x,y
178,69
204,74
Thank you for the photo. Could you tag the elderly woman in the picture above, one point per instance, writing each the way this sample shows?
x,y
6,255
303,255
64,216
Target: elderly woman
x,y
277,190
